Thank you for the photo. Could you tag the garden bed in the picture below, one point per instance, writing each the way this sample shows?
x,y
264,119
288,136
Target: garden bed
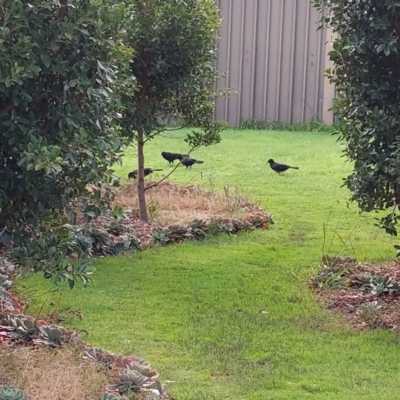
x,y
367,295
177,213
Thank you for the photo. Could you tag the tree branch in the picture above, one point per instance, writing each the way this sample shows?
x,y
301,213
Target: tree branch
x,y
166,176
177,129
163,179
164,130
62,11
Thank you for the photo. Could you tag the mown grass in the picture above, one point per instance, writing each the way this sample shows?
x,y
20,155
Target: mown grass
x,y
232,318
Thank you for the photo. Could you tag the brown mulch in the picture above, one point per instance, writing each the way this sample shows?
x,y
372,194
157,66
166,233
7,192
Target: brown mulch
x,y
361,308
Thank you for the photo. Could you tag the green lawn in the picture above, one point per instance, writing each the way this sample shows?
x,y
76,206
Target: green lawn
x,y
193,310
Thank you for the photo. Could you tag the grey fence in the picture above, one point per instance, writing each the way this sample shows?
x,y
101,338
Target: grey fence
x,y
274,56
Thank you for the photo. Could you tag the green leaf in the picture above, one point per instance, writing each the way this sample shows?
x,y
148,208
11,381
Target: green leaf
x,y
72,83
45,58
52,251
54,46
40,165
6,237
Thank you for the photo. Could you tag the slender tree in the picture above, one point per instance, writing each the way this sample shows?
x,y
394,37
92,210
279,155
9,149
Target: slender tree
x,y
174,65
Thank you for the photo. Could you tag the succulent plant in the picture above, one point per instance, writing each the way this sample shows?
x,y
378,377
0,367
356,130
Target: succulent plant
x,y
12,393
198,228
124,363
362,281
157,392
115,228
27,330
369,311
143,368
377,284
225,226
99,356
160,236
79,245
125,242
20,327
128,382
383,285
110,396
54,335
369,305
332,276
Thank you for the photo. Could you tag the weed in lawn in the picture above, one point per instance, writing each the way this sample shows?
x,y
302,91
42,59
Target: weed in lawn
x,y
369,311
333,273
232,201
153,207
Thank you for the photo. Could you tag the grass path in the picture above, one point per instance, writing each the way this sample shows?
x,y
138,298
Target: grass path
x,y
193,310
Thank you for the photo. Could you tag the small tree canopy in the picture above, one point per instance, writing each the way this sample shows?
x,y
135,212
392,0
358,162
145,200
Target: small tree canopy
x,y
174,65
366,54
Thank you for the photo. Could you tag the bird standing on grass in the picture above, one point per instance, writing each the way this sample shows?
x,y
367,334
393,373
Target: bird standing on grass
x,y
279,167
188,162
147,171
171,157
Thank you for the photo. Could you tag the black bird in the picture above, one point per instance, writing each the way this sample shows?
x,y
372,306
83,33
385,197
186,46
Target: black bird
x,y
188,162
171,157
279,167
147,171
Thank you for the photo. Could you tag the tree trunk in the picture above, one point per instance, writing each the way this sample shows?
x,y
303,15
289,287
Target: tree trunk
x,y
140,182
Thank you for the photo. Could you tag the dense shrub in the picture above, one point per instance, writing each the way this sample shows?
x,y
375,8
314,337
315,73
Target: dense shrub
x,y
58,65
366,55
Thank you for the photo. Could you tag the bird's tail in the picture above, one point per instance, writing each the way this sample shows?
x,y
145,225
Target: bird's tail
x,y
157,169
294,167
199,162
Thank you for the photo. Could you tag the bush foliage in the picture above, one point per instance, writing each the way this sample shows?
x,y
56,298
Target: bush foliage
x,y
366,55
77,79
59,63
56,110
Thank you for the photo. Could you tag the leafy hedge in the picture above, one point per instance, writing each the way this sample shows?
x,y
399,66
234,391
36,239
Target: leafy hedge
x,y
366,56
58,138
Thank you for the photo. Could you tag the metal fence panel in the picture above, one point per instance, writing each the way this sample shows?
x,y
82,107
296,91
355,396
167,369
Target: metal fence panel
x,y
274,56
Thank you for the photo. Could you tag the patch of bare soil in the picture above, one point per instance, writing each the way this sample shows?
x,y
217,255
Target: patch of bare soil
x,y
368,295
46,374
